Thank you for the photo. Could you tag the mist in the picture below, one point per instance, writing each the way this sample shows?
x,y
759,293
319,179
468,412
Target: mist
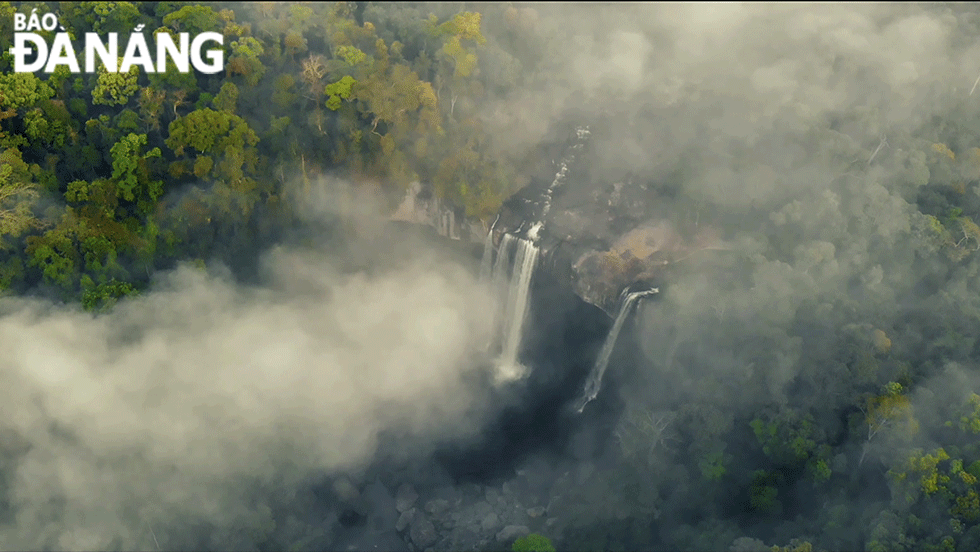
x,y
174,408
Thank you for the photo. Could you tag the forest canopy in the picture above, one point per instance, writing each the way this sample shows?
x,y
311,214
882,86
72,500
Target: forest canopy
x,y
107,177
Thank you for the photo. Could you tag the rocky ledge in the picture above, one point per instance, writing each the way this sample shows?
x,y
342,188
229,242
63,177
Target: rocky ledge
x,y
596,238
599,238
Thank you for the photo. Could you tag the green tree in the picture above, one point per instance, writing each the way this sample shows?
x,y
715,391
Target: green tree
x,y
21,90
18,195
764,491
102,297
193,19
115,88
129,172
533,543
230,143
340,90
462,35
227,98
245,60
99,17
283,95
891,410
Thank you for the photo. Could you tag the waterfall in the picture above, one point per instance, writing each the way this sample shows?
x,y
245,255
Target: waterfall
x,y
511,297
519,292
594,382
497,278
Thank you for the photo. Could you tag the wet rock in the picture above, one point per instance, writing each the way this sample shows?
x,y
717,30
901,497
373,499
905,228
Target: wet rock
x,y
481,509
512,532
490,522
471,491
423,532
536,512
517,515
405,497
551,522
464,538
437,507
404,520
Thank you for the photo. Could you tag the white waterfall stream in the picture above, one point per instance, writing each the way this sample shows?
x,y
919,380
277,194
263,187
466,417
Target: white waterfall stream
x,y
518,295
512,296
594,383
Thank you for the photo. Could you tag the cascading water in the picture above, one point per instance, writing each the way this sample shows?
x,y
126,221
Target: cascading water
x,y
594,383
498,287
511,298
519,292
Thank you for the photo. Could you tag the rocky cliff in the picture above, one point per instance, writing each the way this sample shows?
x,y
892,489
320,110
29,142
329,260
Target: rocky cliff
x,y
596,237
599,237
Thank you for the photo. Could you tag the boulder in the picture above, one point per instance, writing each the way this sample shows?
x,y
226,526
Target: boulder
x,y
490,522
423,532
512,532
404,520
405,497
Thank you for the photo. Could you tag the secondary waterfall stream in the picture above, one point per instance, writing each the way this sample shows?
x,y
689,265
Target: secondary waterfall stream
x,y
594,383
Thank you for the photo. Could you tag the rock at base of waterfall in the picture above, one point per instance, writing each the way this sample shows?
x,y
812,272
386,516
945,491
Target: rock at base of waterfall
x,y
405,497
423,532
405,520
512,532
437,507
490,522
535,512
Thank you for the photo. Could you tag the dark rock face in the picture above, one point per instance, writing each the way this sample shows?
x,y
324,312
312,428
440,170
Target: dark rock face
x,y
597,238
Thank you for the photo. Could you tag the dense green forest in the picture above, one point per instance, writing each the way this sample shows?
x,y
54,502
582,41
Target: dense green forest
x,y
108,179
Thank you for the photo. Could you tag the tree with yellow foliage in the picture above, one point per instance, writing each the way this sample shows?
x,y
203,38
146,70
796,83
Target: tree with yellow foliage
x,y
890,410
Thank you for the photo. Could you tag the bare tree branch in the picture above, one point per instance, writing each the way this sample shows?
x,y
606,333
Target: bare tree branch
x,y
882,144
